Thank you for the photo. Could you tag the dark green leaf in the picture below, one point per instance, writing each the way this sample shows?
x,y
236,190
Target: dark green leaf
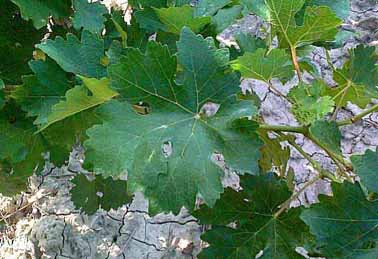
x,y
104,193
328,133
252,210
345,224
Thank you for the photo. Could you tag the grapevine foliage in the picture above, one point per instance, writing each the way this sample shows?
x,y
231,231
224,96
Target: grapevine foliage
x,y
158,98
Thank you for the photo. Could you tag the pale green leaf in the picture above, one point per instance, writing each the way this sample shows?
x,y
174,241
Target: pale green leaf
x,y
81,98
175,18
320,23
264,67
310,102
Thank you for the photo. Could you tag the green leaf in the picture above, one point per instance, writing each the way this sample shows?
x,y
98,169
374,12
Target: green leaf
x,y
273,154
104,193
249,43
257,7
148,3
173,179
82,58
264,67
40,11
320,23
366,167
20,153
226,17
175,18
328,133
357,79
340,7
81,98
310,102
17,39
89,16
252,210
209,7
42,90
345,225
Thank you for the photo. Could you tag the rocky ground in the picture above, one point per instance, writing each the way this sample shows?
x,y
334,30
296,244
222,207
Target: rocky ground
x,y
43,223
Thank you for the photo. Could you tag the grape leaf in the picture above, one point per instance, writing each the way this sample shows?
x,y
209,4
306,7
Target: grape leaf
x,y
175,18
171,180
89,16
81,98
40,10
357,79
17,39
20,153
320,23
340,7
248,43
366,167
100,192
225,17
328,133
345,224
42,90
209,7
310,102
148,3
83,58
264,67
252,210
257,7
273,154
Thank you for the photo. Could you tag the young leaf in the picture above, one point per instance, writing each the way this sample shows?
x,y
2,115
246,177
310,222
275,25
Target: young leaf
x,y
257,229
320,23
340,7
42,90
345,224
81,98
310,102
40,11
173,179
82,58
175,18
328,133
264,67
89,16
17,39
357,80
100,192
366,167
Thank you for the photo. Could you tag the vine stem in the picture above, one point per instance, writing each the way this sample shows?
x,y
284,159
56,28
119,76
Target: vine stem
x,y
283,128
358,117
286,204
294,58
